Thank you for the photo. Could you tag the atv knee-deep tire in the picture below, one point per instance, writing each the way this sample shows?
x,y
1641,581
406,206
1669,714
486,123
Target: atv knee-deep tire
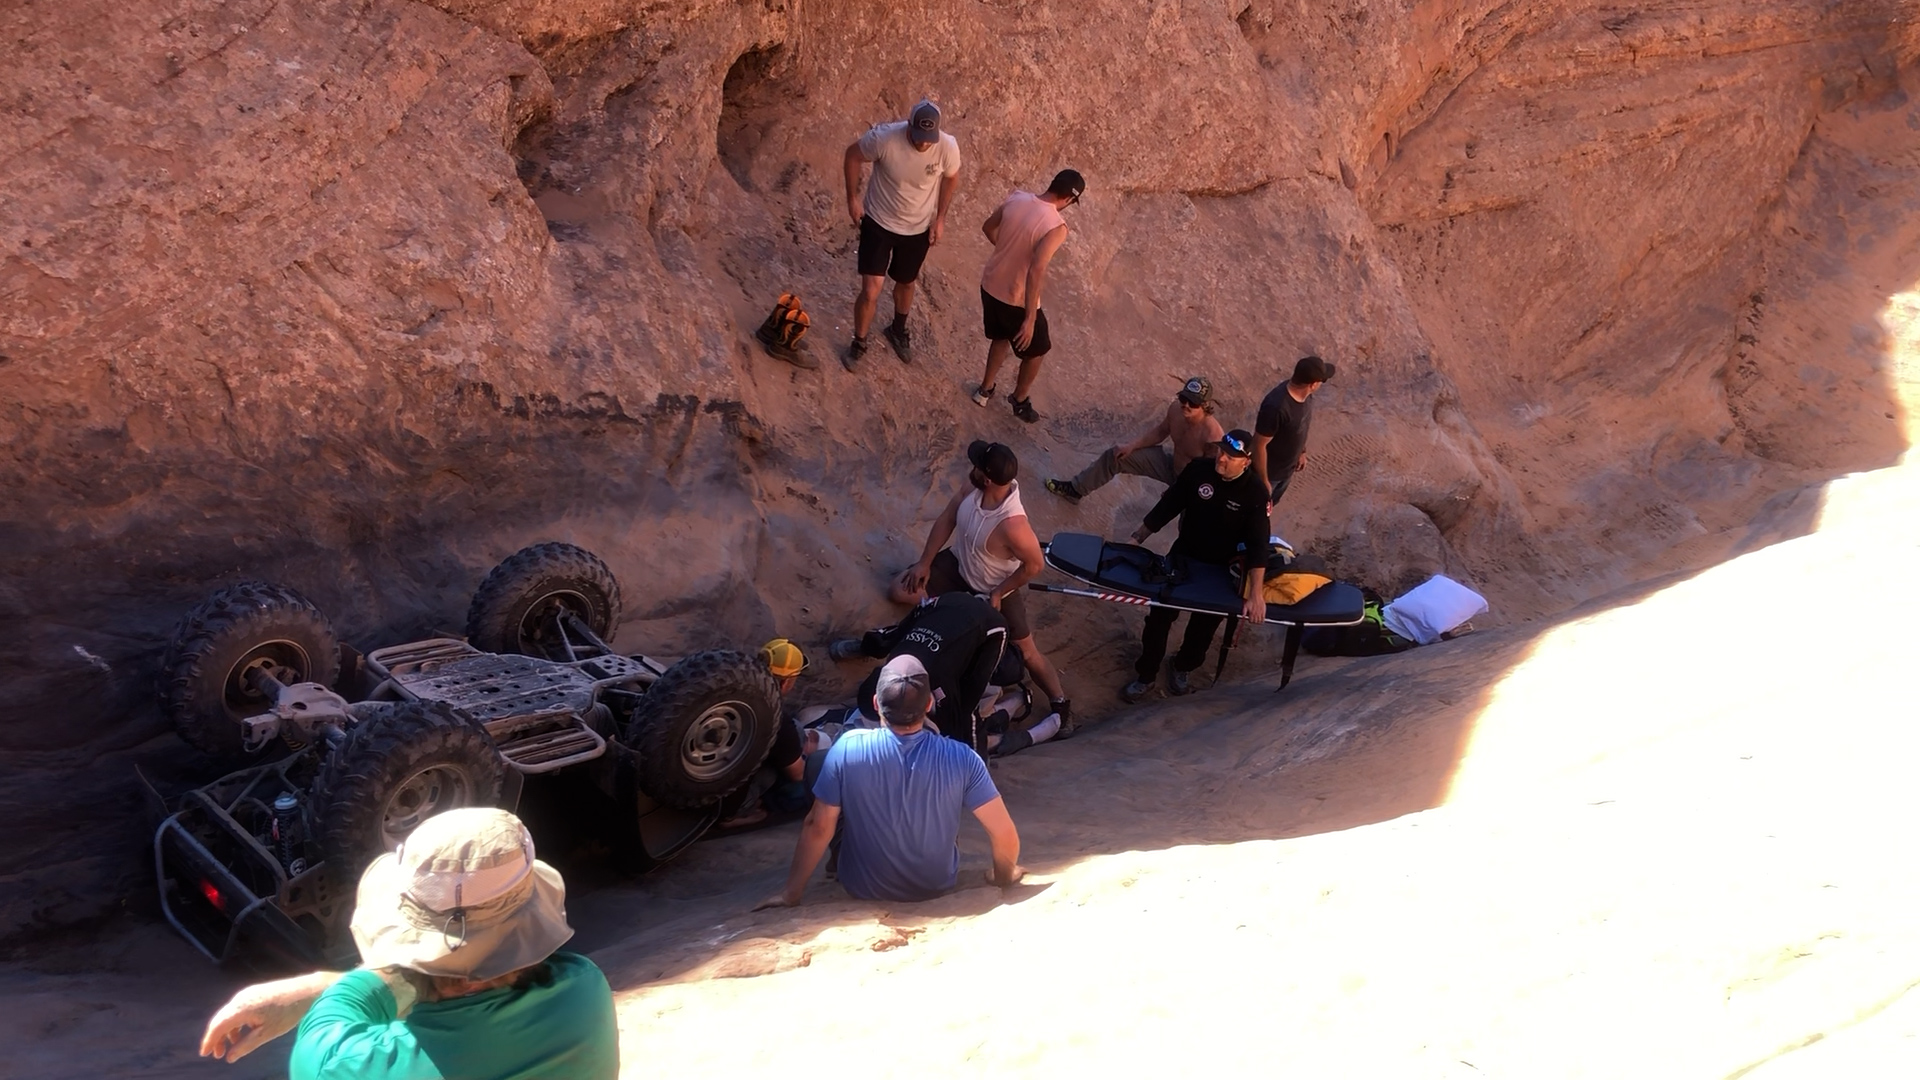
x,y
203,682
514,609
704,727
398,767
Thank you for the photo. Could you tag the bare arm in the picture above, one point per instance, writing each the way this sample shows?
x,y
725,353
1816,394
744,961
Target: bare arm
x,y
1018,533
1255,608
814,837
1005,841
1260,459
941,532
851,165
1043,250
991,226
948,186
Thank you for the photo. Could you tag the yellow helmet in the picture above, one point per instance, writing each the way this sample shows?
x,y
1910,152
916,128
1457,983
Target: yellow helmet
x,y
783,658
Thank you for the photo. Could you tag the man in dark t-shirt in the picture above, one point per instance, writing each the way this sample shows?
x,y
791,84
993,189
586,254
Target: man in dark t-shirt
x,y
1280,431
1223,510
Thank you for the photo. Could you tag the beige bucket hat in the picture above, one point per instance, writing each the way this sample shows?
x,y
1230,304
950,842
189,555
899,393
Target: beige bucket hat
x,y
463,897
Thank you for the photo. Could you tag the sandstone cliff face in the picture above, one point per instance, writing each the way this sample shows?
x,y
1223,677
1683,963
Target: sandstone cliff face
x,y
361,295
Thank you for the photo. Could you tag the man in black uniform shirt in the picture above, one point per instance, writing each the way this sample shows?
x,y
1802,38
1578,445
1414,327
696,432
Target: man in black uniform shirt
x,y
1280,431
1223,510
958,637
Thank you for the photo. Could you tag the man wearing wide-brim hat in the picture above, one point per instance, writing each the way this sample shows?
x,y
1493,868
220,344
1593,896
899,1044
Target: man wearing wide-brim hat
x,y
460,977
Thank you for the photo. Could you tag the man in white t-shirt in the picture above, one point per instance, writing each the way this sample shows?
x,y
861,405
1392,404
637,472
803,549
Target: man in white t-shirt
x,y
916,170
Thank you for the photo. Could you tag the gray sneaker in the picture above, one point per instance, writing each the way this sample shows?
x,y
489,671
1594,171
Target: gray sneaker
x,y
902,343
856,349
1136,691
1177,683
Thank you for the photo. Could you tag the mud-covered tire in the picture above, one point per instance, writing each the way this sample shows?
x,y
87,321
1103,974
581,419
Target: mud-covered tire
x,y
512,612
397,768
203,685
704,727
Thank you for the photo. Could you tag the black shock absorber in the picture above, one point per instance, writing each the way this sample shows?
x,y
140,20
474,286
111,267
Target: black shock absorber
x,y
286,822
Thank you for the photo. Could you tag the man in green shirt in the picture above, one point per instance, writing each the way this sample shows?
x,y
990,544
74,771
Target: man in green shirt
x,y
460,977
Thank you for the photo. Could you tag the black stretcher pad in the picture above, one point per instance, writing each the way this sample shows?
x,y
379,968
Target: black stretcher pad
x,y
1123,568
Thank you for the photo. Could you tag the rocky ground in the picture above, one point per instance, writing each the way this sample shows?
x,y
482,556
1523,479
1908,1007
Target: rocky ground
x,y
362,295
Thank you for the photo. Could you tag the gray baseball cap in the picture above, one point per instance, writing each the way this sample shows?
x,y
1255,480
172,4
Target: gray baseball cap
x,y
923,126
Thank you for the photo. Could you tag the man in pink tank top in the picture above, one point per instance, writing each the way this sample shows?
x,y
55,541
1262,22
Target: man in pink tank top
x,y
1025,231
994,553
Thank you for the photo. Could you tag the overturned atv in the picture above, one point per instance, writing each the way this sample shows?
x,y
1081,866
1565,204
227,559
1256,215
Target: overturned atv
x,y
361,748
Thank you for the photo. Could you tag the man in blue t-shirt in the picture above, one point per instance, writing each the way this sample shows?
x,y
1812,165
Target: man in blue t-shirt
x,y
903,787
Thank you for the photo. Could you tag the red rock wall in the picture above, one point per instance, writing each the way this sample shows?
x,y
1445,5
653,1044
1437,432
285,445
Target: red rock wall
x,y
361,295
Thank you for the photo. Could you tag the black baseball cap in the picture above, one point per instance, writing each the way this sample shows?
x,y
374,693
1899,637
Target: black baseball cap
x,y
996,460
1311,369
1067,182
923,125
1196,391
1238,442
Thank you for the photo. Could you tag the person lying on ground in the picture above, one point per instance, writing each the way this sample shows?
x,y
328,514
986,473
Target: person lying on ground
x,y
1188,423
779,785
901,790
459,976
1223,510
994,553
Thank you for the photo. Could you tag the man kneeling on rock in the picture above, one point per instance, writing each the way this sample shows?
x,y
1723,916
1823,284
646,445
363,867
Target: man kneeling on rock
x,y
903,788
1223,510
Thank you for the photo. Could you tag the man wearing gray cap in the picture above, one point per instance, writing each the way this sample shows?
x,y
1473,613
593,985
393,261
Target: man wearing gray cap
x,y
916,170
903,788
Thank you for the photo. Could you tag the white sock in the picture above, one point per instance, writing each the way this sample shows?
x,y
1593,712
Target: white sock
x,y
1045,729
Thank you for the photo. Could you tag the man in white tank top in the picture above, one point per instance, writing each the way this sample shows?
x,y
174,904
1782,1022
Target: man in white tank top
x,y
994,553
1025,232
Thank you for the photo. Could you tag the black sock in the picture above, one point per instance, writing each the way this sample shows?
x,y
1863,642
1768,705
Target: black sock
x,y
899,321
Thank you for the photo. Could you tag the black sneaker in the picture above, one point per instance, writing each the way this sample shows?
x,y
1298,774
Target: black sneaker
x,y
856,349
1012,742
1065,489
1136,691
1024,410
902,343
845,649
1177,682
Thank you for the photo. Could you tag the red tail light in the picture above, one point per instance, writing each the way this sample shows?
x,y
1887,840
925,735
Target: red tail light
x,y
213,896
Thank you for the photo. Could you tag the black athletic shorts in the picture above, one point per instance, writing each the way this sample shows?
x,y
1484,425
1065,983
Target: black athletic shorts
x,y
1003,324
890,254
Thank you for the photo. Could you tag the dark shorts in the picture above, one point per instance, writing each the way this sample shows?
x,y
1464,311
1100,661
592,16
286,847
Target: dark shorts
x,y
889,254
1003,321
945,577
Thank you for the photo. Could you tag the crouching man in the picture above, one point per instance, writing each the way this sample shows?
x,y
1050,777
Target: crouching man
x,y
903,788
459,976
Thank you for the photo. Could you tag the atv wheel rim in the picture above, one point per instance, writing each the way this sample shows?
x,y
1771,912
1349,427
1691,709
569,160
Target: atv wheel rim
x,y
538,631
716,741
428,792
285,660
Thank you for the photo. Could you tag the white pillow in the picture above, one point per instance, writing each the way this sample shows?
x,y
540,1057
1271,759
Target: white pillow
x,y
1432,608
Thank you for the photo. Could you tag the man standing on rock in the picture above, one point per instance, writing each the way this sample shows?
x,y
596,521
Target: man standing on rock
x,y
994,553
1223,511
1280,431
1025,232
916,170
1188,422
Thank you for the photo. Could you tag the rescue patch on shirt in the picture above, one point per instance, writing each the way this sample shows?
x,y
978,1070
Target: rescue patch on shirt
x,y
1205,492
